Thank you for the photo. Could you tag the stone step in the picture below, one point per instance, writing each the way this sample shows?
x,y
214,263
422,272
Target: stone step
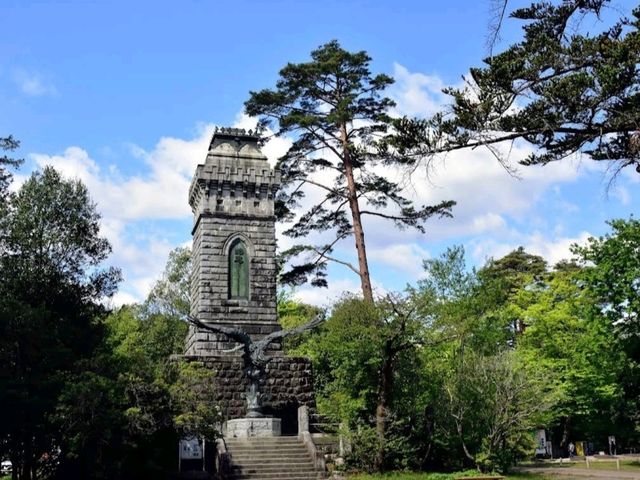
x,y
264,446
273,464
270,460
274,452
243,469
264,441
288,476
240,444
294,450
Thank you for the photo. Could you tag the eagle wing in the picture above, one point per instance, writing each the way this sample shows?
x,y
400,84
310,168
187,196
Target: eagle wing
x,y
317,320
233,333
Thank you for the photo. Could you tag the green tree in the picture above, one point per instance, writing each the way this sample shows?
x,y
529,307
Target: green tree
x,y
470,364
365,366
561,90
334,108
7,144
170,294
612,274
506,276
123,416
493,404
462,306
51,284
291,314
573,345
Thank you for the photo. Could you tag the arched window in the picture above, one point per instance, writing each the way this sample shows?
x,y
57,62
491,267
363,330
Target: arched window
x,y
238,270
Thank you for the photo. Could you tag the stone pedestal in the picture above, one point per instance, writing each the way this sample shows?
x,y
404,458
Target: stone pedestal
x,y
252,427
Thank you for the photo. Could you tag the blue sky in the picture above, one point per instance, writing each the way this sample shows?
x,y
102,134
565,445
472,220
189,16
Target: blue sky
x,y
124,95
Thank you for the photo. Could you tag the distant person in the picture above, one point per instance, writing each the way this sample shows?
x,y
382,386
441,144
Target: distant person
x,y
572,449
612,445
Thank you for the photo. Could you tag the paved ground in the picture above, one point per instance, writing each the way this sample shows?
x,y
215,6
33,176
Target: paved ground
x,y
585,473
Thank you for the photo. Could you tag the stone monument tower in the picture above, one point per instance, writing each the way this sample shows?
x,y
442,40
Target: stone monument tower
x,y
233,281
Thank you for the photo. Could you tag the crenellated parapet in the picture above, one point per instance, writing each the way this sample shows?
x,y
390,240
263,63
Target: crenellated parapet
x,y
235,179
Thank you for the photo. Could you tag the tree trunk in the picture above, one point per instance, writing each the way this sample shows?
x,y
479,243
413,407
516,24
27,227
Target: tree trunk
x,y
566,430
14,463
384,393
27,465
358,232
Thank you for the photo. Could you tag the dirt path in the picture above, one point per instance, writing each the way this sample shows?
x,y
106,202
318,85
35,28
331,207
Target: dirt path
x,y
585,473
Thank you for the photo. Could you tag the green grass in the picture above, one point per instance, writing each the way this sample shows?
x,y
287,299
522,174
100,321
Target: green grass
x,y
449,476
534,476
439,476
628,465
412,476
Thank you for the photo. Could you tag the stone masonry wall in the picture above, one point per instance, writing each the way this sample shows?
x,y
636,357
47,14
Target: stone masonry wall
x,y
289,380
209,286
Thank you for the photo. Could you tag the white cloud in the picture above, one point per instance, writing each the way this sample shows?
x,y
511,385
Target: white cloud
x,y
324,297
551,248
487,197
130,204
405,257
338,287
488,222
121,298
416,94
622,194
554,250
159,194
33,84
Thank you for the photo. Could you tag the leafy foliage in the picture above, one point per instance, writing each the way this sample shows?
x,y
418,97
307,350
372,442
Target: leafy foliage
x,y
50,288
612,275
494,404
562,89
7,144
615,277
493,354
170,294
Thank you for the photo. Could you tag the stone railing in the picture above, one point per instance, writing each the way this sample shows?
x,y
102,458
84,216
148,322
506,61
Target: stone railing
x,y
307,439
222,460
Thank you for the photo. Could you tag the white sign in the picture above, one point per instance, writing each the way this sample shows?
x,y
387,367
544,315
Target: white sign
x,y
190,449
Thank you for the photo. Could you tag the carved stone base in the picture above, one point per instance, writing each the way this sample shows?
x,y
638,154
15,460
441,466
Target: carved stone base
x,y
289,381
252,427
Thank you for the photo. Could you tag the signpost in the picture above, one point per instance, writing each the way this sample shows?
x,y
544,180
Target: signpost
x,y
190,450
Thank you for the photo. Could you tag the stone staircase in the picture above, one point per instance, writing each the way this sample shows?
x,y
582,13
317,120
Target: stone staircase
x,y
271,458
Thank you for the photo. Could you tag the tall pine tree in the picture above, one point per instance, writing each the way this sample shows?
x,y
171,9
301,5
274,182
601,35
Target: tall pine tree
x,y
336,112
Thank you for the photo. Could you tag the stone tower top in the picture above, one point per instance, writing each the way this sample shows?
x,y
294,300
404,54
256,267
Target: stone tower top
x,y
228,134
236,178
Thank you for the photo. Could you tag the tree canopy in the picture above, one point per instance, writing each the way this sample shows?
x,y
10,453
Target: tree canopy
x,y
562,88
7,144
51,284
